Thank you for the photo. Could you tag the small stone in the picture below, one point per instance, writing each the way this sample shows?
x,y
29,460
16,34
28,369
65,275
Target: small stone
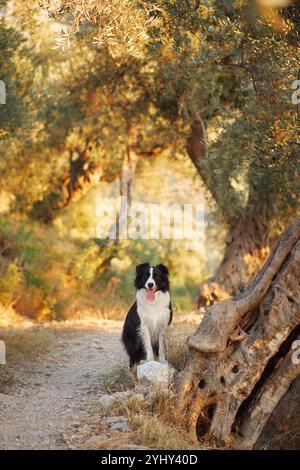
x,y
123,426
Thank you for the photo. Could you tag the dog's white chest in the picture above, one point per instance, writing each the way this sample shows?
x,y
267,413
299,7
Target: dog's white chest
x,y
154,315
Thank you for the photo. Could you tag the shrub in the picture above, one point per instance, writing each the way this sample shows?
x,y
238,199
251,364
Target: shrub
x,y
10,283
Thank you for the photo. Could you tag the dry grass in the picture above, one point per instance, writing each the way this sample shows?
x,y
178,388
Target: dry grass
x,y
121,379
155,433
102,305
9,318
160,426
27,342
23,343
179,330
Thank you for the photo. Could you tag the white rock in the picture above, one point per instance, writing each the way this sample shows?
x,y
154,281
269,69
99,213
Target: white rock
x,y
155,373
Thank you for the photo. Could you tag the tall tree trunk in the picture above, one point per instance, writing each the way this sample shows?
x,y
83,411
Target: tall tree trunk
x,y
242,366
78,179
248,227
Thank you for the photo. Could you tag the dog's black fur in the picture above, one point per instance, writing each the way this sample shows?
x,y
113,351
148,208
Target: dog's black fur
x,y
131,336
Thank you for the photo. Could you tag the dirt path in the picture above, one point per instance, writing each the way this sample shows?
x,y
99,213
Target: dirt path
x,y
57,391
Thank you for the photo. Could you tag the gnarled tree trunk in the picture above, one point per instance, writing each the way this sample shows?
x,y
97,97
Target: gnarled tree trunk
x,y
242,362
282,430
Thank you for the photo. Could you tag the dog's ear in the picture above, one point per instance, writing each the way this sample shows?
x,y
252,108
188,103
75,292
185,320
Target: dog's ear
x,y
163,269
141,267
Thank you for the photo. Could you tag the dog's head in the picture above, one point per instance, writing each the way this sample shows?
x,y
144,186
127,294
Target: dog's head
x,y
152,279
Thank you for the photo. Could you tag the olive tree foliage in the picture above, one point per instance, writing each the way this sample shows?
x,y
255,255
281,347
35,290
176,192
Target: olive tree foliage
x,y
12,110
155,69
121,25
233,64
59,104
240,76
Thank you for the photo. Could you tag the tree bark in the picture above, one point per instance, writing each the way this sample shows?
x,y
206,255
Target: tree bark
x,y
74,184
282,430
78,179
240,365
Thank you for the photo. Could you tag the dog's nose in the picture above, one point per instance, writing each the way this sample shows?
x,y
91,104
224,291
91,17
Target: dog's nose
x,y
150,285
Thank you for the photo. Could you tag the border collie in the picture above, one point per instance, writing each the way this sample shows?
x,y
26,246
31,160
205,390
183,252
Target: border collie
x,y
144,332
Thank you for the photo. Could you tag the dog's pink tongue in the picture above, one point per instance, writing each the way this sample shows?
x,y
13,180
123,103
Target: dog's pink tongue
x,y
150,295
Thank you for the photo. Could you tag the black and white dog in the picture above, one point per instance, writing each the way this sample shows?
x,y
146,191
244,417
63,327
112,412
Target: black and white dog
x,y
144,332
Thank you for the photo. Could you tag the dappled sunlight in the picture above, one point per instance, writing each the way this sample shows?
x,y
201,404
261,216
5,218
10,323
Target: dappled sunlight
x,y
156,139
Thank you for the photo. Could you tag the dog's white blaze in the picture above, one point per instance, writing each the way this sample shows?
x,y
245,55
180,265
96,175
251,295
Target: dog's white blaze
x,y
150,279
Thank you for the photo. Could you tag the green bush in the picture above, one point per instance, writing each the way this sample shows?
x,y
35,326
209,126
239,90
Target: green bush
x,y
10,283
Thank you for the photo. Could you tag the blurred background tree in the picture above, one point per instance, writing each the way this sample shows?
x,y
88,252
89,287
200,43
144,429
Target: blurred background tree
x,y
224,71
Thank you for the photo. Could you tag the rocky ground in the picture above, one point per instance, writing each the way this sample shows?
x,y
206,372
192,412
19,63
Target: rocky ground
x,y
55,398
